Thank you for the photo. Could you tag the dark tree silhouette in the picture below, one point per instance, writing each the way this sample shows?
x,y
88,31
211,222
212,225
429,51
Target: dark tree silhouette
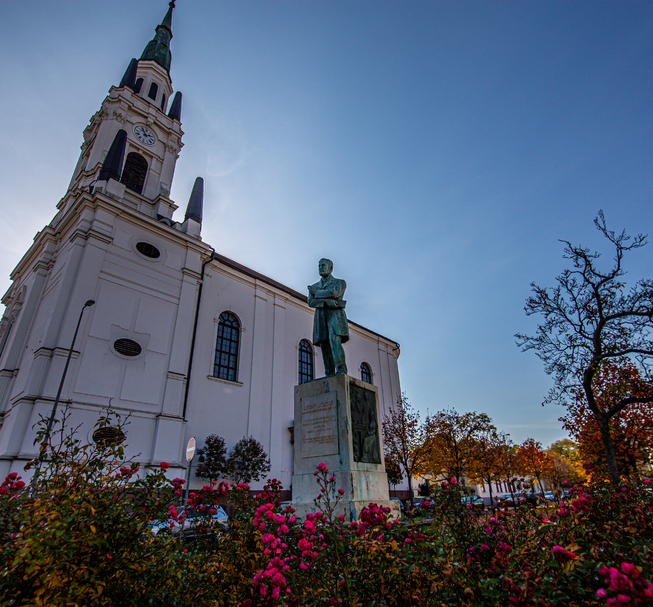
x,y
404,440
247,461
212,458
591,319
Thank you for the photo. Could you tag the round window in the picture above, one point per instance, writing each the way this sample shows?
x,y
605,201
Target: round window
x,y
108,436
148,250
127,347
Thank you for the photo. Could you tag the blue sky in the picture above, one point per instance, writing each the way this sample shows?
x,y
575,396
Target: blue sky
x,y
436,151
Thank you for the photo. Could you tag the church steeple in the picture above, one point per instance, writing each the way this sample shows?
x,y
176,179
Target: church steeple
x,y
132,144
158,49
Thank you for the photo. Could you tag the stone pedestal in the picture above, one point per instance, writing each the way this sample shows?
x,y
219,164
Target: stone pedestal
x,y
338,423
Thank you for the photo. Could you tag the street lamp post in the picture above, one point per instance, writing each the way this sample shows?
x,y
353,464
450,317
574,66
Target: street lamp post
x,y
88,304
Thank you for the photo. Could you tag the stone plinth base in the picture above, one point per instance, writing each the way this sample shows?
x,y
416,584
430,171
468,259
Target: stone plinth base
x,y
337,422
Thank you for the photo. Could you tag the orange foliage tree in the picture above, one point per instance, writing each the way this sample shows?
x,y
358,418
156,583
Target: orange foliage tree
x,y
488,453
631,428
453,442
534,461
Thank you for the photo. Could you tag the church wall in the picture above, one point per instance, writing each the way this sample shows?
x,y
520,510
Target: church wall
x,y
260,403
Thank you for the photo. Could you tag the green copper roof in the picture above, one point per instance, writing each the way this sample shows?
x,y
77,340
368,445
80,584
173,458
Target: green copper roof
x,y
158,49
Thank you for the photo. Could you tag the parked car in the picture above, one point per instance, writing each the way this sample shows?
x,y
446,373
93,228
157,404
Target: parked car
x,y
473,500
418,501
189,521
505,500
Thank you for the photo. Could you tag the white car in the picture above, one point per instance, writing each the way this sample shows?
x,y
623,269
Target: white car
x,y
188,521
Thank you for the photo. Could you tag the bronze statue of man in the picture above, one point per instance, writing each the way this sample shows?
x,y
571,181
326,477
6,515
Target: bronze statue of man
x,y
330,329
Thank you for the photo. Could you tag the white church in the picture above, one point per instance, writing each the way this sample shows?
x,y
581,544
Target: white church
x,y
186,341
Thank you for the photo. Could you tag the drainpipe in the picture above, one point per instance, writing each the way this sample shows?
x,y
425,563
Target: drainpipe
x,y
192,343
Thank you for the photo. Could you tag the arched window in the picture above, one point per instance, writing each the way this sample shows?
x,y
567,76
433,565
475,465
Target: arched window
x,y
154,89
305,362
226,348
366,373
133,175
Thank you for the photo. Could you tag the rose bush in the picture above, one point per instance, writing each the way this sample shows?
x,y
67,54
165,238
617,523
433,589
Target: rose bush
x,y
82,536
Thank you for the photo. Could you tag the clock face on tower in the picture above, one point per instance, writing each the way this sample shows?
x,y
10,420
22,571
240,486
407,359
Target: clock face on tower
x,y
144,135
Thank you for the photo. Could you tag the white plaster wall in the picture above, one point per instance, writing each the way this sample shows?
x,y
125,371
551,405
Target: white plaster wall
x,y
260,403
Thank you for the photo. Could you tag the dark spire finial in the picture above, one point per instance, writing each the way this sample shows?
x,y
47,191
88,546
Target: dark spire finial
x,y
112,165
129,79
175,108
158,49
196,202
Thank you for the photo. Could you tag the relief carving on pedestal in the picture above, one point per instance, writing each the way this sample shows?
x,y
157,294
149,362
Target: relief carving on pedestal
x,y
365,426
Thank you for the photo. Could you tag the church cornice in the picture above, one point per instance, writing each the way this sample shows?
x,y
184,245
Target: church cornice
x,y
258,277
42,251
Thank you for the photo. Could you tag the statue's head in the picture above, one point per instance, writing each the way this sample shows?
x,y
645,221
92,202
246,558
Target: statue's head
x,y
325,267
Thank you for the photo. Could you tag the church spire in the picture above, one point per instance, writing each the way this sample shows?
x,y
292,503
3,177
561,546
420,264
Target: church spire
x,y
158,49
196,201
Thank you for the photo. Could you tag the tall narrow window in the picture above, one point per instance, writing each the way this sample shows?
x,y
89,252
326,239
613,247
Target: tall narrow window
x,y
366,373
305,362
133,175
226,348
154,89
163,103
138,85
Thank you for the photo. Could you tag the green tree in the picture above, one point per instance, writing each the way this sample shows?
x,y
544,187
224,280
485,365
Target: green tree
x,y
590,318
212,458
247,461
567,464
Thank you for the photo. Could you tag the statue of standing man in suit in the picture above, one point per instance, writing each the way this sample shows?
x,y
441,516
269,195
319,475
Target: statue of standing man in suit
x,y
330,329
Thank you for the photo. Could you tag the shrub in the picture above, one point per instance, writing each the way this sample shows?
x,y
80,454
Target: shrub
x,y
82,537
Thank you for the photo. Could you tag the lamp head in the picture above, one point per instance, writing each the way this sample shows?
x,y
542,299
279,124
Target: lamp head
x,y
89,303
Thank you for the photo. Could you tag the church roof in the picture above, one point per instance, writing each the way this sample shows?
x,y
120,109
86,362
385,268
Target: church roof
x,y
239,267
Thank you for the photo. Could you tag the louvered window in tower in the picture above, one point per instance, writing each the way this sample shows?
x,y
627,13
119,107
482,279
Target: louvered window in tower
x,y
226,348
133,175
305,362
154,89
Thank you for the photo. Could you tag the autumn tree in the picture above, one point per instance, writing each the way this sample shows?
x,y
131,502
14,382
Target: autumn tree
x,y
533,461
590,319
404,440
247,461
452,439
631,428
507,465
486,458
565,462
212,458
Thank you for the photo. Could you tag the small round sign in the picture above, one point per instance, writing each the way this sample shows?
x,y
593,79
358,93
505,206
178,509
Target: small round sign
x,y
190,449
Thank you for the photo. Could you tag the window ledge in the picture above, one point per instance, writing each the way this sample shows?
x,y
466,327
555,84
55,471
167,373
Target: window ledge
x,y
224,381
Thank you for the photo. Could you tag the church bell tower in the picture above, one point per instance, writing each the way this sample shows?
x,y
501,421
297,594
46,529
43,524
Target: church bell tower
x,y
113,239
132,143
